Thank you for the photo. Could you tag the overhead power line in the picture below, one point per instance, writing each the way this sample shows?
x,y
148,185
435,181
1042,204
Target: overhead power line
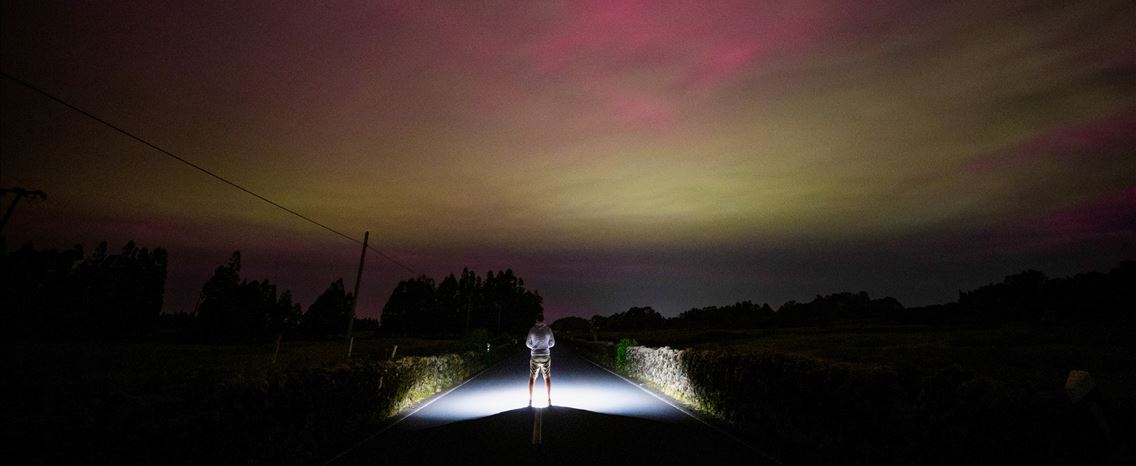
x,y
199,168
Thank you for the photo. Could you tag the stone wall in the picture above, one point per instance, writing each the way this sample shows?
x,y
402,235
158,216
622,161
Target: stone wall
x,y
663,369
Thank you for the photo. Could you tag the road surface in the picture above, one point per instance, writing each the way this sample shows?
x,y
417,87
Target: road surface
x,y
596,417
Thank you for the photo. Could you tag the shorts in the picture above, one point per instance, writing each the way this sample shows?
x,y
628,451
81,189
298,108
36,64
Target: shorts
x,y
541,363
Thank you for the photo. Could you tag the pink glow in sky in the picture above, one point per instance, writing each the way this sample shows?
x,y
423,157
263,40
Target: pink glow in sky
x,y
613,153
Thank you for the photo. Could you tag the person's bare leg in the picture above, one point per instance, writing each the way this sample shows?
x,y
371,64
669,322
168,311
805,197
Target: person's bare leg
x,y
532,380
548,387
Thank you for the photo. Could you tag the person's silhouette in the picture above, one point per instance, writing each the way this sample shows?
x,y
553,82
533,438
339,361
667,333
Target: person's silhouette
x,y
540,341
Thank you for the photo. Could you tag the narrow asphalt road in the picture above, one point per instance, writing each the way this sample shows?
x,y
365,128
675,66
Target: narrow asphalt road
x,y
596,417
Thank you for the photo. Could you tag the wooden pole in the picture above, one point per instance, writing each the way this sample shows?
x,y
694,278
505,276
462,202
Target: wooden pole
x,y
355,295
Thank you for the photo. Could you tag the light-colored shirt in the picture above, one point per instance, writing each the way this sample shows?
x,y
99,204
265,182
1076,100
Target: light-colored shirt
x,y
540,339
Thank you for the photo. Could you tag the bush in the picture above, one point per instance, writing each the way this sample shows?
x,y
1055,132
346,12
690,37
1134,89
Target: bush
x,y
621,353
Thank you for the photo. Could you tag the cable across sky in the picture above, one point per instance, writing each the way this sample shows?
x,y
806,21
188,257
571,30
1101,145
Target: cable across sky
x,y
200,168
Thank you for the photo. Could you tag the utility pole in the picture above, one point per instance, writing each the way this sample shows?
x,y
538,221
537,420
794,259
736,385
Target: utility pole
x,y
355,295
20,193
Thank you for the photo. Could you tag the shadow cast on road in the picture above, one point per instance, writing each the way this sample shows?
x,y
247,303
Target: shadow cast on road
x,y
568,436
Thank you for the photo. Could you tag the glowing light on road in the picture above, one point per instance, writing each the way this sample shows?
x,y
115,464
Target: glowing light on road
x,y
608,397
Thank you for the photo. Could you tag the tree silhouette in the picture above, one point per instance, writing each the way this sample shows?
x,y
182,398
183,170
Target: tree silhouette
x,y
499,303
327,316
411,306
635,318
285,316
571,325
122,293
217,307
743,314
231,309
51,293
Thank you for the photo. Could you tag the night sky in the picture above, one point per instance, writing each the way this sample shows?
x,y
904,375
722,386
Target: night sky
x,y
612,153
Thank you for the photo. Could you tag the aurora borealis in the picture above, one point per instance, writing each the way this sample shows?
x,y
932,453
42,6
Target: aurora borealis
x,y
612,153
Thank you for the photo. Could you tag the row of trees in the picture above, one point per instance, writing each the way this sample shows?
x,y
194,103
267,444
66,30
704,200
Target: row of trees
x,y
232,309
1028,297
52,293
499,302
67,293
1031,296
745,314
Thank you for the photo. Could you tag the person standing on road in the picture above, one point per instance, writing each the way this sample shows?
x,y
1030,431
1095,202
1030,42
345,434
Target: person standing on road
x,y
540,340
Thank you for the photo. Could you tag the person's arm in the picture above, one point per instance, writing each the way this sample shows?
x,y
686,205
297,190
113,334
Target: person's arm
x,y
551,339
529,341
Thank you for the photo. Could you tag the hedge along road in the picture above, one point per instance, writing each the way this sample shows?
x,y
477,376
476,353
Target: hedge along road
x,y
596,417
